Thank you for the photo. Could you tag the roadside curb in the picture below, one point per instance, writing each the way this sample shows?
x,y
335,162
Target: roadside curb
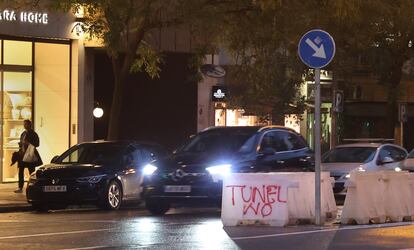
x,y
10,208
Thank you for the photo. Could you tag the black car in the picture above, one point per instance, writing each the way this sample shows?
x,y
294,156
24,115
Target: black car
x,y
192,173
101,173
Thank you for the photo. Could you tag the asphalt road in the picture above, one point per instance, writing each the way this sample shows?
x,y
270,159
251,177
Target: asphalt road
x,y
183,229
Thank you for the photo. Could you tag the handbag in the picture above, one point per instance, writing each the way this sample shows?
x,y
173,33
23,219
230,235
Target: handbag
x,y
16,157
30,154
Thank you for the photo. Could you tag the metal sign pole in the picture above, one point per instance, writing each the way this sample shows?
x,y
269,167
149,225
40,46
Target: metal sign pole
x,y
317,132
316,49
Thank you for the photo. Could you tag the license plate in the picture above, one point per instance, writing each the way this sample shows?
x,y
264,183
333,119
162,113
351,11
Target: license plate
x,y
54,189
177,189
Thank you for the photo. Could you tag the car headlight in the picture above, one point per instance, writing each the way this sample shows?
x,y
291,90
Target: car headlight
x,y
91,179
348,176
397,169
149,169
223,169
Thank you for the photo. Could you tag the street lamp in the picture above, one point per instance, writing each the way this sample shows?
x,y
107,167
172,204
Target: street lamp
x,y
98,112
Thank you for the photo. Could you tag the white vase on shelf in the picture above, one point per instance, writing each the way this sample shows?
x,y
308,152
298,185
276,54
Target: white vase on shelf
x,y
26,113
15,114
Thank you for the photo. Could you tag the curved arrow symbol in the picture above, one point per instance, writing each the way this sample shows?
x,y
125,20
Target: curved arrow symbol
x,y
319,51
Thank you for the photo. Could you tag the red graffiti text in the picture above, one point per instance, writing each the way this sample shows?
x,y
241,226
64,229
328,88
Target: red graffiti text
x,y
258,200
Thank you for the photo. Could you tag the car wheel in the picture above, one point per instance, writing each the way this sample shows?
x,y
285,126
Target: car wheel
x,y
40,207
113,197
157,207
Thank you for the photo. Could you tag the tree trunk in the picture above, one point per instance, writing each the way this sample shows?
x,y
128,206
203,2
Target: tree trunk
x,y
121,73
114,119
278,119
116,107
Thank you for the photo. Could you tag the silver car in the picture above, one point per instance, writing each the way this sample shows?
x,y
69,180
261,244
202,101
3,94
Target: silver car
x,y
342,160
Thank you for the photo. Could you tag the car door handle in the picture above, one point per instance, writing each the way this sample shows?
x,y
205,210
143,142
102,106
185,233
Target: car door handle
x,y
303,159
280,162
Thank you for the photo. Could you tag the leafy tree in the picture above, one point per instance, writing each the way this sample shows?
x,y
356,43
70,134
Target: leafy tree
x,y
381,31
124,27
267,74
392,37
263,39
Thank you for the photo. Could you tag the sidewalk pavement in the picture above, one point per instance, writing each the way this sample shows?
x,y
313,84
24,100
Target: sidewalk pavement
x,y
11,201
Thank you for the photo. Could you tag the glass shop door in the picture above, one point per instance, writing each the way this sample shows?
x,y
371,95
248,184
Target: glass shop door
x,y
16,98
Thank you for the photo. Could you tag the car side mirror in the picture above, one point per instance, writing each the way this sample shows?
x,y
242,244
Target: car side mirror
x,y
268,151
54,159
387,160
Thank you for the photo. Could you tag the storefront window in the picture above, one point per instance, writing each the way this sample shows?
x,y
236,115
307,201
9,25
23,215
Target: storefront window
x,y
17,106
220,117
234,117
325,127
47,103
17,53
231,117
292,121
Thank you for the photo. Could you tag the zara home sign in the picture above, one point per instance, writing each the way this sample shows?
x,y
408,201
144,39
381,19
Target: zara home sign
x,y
23,17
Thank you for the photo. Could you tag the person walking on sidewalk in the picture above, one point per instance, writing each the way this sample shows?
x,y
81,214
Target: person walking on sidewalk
x,y
30,158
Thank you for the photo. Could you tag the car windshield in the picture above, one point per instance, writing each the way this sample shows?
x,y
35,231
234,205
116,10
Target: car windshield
x,y
219,141
350,155
100,153
411,155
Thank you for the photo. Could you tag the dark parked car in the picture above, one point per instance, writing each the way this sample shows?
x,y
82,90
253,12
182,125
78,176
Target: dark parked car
x,y
192,173
101,173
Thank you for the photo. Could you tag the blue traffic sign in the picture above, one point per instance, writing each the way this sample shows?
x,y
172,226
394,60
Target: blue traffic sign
x,y
316,48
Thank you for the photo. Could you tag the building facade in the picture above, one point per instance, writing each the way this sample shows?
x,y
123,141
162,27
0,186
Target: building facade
x,y
43,78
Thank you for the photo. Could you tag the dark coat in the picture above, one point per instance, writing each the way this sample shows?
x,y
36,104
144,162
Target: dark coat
x,y
31,137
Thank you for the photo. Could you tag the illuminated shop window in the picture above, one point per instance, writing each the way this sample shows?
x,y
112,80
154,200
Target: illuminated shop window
x,y
234,117
231,118
50,76
292,121
220,117
17,106
17,53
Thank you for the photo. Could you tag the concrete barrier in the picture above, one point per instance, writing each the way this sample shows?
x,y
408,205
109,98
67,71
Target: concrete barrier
x,y
275,199
302,199
378,197
398,196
